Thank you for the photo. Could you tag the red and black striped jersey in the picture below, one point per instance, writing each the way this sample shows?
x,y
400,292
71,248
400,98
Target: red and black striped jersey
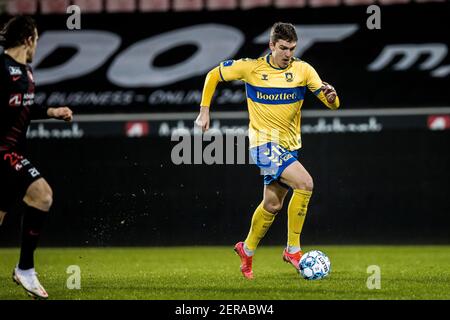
x,y
17,107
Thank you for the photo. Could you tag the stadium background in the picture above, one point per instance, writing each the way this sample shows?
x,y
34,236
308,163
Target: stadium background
x,y
133,76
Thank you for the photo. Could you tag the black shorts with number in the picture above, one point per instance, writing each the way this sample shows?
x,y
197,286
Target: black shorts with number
x,y
16,175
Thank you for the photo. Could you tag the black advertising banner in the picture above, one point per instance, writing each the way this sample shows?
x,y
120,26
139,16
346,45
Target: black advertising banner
x,y
169,125
157,62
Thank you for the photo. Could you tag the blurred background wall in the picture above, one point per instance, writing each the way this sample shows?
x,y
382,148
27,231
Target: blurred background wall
x,y
134,73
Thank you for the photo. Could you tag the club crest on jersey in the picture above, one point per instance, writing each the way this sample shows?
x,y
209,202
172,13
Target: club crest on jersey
x,y
289,76
15,71
264,77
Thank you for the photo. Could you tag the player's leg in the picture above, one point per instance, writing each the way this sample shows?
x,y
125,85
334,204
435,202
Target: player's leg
x,y
296,176
37,201
5,197
39,195
21,181
264,215
262,219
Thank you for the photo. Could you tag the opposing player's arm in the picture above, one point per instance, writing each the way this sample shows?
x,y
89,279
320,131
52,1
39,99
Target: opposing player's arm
x,y
60,113
322,90
39,112
227,71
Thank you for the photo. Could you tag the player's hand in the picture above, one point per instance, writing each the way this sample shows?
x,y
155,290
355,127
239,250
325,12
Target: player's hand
x,y
329,92
203,119
61,113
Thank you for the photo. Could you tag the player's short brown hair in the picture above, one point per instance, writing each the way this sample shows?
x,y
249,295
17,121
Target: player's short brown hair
x,y
16,31
283,31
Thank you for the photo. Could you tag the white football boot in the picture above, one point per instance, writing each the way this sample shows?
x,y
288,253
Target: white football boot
x,y
29,281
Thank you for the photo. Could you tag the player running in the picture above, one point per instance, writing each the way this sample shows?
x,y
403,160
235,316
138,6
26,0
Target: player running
x,y
19,179
275,86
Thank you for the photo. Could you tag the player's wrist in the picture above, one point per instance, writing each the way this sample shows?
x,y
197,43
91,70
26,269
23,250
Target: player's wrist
x,y
51,112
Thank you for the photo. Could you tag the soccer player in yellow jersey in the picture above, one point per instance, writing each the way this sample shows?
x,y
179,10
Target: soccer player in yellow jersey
x,y
275,87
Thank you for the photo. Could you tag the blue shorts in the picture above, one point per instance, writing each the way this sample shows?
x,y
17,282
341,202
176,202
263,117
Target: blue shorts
x,y
273,159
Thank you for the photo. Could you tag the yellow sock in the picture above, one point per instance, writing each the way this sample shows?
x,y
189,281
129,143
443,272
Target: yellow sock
x,y
261,221
296,215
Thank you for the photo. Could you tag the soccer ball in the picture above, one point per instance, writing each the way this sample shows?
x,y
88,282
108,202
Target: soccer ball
x,y
314,265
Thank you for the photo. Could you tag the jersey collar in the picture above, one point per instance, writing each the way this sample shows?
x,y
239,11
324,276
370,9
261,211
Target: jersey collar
x,y
5,54
268,62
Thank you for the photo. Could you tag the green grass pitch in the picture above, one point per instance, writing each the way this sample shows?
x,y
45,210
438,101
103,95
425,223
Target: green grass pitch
x,y
184,273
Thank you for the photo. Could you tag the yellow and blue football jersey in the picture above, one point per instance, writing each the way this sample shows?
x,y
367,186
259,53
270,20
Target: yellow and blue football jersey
x,y
275,97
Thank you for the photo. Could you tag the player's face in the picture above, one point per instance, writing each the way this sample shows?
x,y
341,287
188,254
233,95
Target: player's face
x,y
32,44
282,52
